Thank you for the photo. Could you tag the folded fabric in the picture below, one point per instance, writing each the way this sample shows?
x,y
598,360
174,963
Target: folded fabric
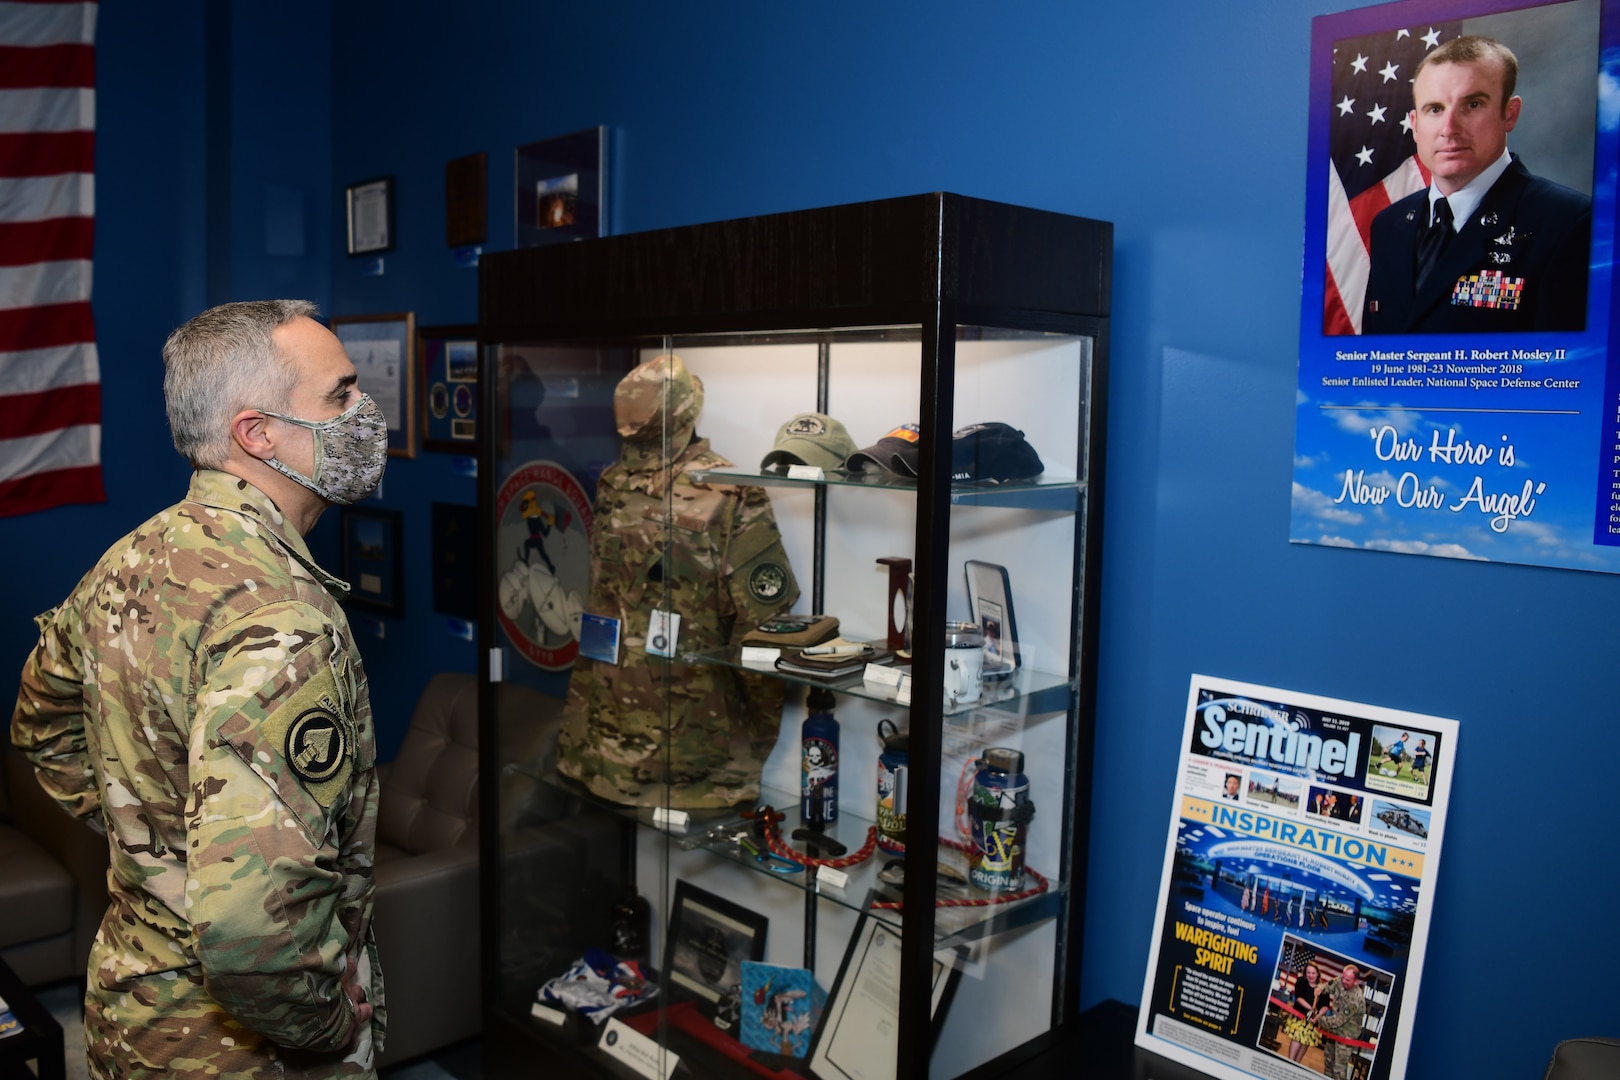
x,y
598,985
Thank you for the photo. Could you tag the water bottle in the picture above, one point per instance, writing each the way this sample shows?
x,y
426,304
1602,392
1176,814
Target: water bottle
x,y
894,765
818,760
1001,811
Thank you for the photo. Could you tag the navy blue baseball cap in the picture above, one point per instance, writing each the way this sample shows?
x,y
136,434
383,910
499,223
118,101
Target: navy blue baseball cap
x,y
992,453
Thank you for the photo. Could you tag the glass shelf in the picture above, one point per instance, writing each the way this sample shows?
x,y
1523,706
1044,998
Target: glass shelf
x,y
711,831
1027,690
1058,495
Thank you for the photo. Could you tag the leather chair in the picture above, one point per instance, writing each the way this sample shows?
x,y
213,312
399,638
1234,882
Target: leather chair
x,y
53,879
1585,1059
427,906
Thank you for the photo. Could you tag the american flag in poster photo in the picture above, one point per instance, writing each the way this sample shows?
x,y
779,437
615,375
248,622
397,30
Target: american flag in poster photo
x,y
1374,158
50,392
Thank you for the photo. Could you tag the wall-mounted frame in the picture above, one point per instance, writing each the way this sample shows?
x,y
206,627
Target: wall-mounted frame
x,y
465,194
370,209
373,558
448,361
1516,323
562,188
709,937
383,349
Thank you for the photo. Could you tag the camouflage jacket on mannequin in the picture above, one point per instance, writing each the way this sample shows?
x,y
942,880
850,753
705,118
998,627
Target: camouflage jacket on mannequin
x,y
709,553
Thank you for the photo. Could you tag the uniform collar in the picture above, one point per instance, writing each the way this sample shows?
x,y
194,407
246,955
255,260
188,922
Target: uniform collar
x,y
1465,200
233,495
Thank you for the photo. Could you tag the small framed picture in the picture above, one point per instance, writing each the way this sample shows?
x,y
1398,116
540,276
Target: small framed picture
x,y
383,350
373,562
709,938
448,357
562,188
990,600
370,206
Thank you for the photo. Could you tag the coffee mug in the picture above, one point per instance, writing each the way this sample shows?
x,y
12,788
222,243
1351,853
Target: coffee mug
x,y
964,662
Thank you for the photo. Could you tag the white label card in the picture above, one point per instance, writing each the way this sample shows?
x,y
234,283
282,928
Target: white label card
x,y
882,675
663,630
637,1051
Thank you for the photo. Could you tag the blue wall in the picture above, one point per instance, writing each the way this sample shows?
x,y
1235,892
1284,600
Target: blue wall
x,y
1185,124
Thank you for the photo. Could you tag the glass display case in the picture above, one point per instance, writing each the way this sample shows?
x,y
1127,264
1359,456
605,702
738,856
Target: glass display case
x,y
792,534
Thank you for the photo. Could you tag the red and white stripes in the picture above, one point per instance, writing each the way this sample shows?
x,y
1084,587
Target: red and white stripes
x,y
50,393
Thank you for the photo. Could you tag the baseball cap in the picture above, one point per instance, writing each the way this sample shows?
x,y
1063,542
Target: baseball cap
x,y
896,452
992,453
810,439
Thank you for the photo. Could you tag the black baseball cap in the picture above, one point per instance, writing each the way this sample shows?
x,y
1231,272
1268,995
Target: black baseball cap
x,y
992,453
896,452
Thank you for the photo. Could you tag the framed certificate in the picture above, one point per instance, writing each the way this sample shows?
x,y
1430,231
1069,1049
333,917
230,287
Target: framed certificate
x,y
383,350
370,208
859,1026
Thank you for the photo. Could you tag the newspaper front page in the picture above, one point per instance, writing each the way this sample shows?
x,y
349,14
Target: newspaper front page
x,y
1295,898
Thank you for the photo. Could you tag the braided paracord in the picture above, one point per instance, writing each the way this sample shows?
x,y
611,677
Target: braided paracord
x,y
773,838
1039,887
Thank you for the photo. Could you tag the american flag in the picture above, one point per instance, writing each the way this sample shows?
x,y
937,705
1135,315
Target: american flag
x,y
50,392
1374,158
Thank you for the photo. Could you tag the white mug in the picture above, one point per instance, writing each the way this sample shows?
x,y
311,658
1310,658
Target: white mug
x,y
964,663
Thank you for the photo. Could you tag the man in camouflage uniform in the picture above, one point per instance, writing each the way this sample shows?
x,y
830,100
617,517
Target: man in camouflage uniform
x,y
199,697
710,553
1344,1015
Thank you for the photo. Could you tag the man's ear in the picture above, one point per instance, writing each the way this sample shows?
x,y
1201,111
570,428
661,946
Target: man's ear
x,y
249,430
1510,112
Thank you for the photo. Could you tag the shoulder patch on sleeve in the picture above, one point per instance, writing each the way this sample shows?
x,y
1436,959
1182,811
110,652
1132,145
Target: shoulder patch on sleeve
x,y
304,746
767,581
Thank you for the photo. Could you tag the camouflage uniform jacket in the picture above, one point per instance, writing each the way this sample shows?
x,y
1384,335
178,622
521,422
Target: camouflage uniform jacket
x,y
710,553
199,696
1349,1010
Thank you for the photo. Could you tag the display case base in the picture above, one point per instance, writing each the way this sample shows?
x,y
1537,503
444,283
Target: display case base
x,y
1100,1044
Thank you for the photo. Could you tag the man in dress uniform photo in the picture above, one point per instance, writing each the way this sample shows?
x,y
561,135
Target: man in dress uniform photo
x,y
1487,246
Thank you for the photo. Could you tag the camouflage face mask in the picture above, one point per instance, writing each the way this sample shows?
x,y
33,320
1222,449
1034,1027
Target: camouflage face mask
x,y
350,452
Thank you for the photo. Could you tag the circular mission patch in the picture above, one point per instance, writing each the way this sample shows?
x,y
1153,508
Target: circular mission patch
x,y
766,581
317,743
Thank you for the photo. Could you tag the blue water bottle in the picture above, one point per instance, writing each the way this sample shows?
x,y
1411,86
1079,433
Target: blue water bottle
x,y
1001,810
818,760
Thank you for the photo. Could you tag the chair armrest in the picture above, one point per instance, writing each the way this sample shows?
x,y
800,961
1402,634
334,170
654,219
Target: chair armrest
x,y
426,919
72,842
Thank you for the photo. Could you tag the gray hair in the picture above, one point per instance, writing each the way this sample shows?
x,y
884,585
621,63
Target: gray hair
x,y
221,362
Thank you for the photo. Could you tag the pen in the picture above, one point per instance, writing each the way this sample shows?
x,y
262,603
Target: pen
x,y
835,650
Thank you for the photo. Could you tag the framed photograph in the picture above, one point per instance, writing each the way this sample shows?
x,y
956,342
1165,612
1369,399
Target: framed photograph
x,y
990,600
1442,285
383,349
561,188
455,560
464,200
448,356
370,207
373,562
857,1036
709,938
